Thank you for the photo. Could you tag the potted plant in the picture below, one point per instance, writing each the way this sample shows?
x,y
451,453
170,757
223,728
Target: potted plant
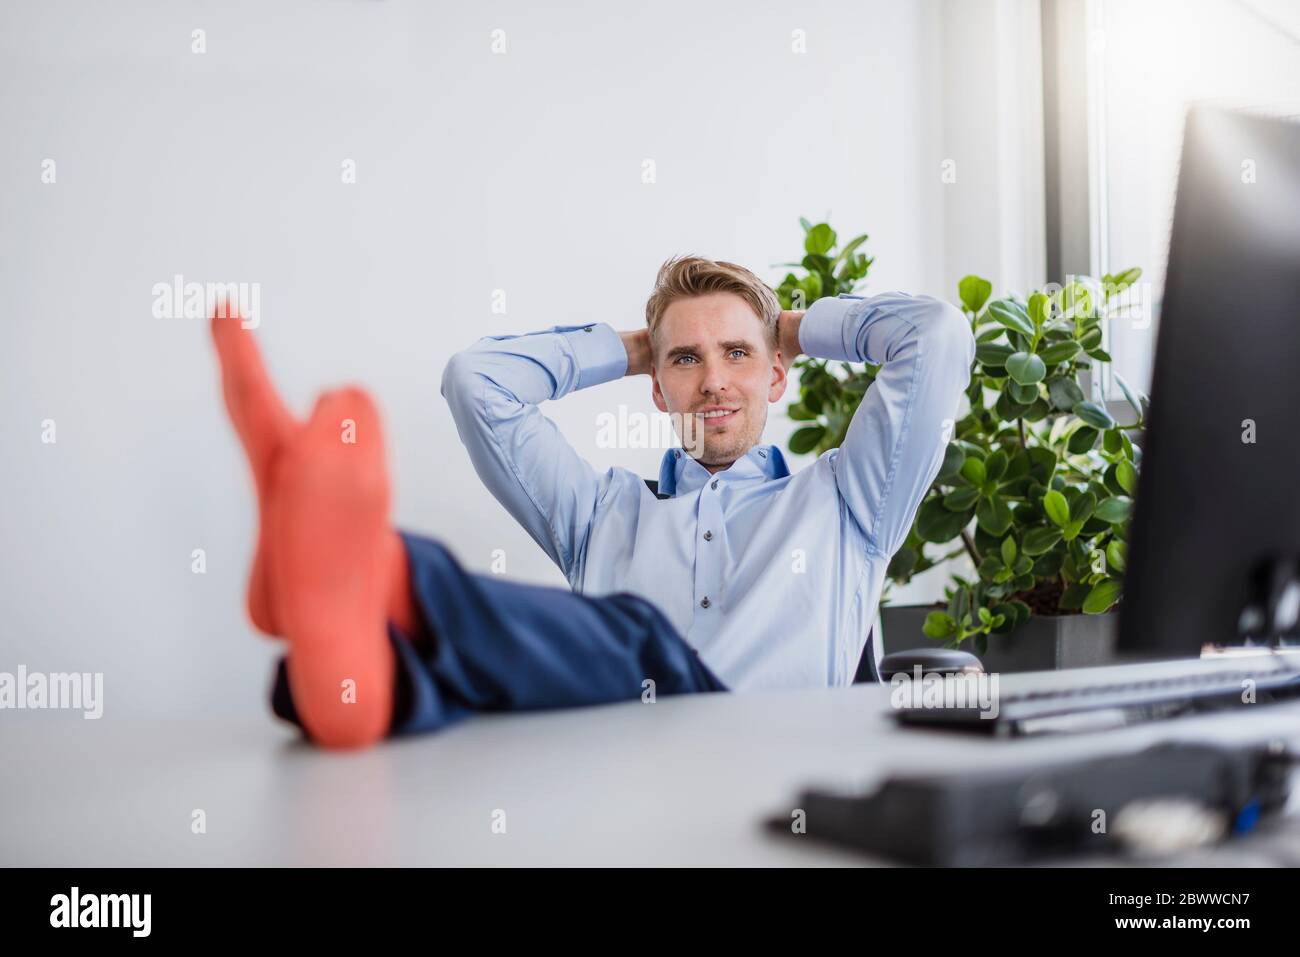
x,y
1036,483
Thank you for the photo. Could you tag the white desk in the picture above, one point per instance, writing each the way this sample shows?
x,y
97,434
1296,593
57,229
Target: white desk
x,y
685,781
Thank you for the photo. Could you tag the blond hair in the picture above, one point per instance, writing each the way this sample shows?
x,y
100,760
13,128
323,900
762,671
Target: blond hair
x,y
685,276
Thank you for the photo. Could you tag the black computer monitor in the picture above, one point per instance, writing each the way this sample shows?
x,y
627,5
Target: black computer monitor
x,y
1215,536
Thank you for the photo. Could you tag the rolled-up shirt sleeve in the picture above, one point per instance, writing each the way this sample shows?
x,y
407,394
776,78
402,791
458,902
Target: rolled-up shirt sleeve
x,y
895,443
494,389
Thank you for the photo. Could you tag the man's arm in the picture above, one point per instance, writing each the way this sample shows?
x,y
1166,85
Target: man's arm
x,y
494,388
895,444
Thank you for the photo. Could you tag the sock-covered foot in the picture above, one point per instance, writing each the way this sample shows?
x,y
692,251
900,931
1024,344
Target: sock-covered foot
x,y
332,569
263,424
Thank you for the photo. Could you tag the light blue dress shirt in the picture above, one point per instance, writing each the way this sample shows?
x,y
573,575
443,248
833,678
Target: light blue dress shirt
x,y
772,577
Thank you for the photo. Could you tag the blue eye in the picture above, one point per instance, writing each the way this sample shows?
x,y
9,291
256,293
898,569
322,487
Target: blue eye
x,y
680,358
740,351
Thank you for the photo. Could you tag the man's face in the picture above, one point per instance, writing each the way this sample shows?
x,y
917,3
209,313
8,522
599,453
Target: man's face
x,y
712,358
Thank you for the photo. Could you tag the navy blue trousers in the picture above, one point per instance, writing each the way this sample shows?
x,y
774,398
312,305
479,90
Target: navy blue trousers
x,y
487,644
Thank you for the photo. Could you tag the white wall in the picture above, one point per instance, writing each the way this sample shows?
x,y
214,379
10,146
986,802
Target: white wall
x,y
475,171
992,207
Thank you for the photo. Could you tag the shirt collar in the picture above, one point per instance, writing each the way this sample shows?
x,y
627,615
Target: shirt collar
x,y
679,474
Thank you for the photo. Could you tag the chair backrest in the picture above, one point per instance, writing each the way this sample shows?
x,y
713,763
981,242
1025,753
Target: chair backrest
x,y
653,485
867,672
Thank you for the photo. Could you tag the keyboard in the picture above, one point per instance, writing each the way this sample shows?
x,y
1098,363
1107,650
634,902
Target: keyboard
x,y
1094,699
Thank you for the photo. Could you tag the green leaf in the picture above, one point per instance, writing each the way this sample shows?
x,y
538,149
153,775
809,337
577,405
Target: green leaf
x,y
1009,313
1049,564
805,224
1026,368
1056,507
992,570
1038,410
960,499
1082,440
901,565
1103,595
800,412
811,284
1112,441
1114,510
936,524
1126,476
1018,467
995,465
1009,615
974,292
973,471
806,439
1074,595
1039,540
1120,281
939,624
1094,415
958,602
1042,462
1008,408
820,239
1008,551
1022,394
1072,529
848,251
953,459
1058,352
1117,555
993,353
1091,339
1038,310
1064,392
1137,400
993,515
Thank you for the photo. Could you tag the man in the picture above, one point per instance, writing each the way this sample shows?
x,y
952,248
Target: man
x,y
736,575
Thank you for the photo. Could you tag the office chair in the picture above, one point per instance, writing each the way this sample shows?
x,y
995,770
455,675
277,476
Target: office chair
x,y
931,660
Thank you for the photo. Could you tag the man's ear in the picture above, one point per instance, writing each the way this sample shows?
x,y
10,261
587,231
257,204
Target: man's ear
x,y
780,378
656,393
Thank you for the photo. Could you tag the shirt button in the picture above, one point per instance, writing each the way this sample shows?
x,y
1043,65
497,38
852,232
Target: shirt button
x,y
762,454
704,602
715,484
586,328
708,536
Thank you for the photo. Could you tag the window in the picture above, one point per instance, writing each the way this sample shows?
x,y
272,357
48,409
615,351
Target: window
x,y
1146,62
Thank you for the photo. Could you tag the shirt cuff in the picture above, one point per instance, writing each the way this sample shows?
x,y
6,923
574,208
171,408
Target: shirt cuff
x,y
598,353
822,329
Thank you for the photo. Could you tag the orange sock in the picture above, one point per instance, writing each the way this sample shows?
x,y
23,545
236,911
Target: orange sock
x,y
264,426
331,570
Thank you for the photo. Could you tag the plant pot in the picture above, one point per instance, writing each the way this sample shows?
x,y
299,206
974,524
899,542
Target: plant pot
x,y
1043,643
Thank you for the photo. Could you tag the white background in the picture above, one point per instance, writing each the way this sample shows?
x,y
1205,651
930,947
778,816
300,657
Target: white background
x,y
475,172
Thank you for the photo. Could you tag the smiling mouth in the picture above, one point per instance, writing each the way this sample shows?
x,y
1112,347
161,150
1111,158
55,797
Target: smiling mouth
x,y
719,417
